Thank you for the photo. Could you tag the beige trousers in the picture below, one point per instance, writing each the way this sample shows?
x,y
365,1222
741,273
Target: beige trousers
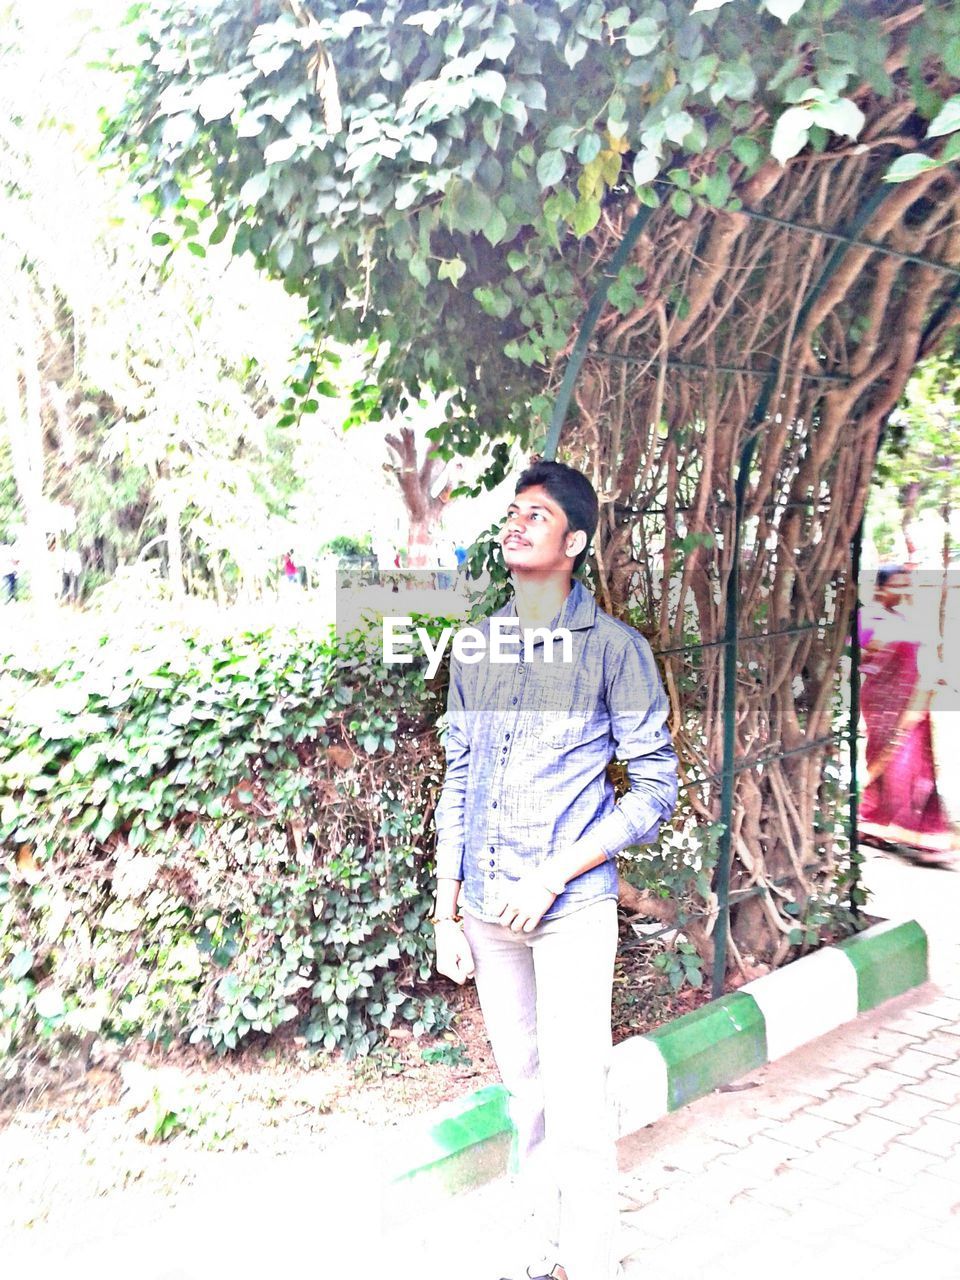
x,y
546,999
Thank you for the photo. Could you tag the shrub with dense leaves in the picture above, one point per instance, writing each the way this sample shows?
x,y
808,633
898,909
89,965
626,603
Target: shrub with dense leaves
x,y
215,842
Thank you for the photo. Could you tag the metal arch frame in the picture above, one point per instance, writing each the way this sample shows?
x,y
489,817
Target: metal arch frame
x,y
844,241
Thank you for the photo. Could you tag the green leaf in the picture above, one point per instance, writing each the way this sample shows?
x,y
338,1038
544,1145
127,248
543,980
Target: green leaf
x,y
88,758
947,119
422,149
646,166
279,151
717,189
325,250
839,116
551,167
49,1003
747,150
21,964
909,166
563,136
678,125
407,194
273,58
574,50
589,148
783,9
160,237
452,270
250,125
419,270
560,205
682,203
217,97
196,249
255,188
495,227
490,86
498,48
179,129
228,988
790,133
642,37
735,80
494,301
586,215
470,208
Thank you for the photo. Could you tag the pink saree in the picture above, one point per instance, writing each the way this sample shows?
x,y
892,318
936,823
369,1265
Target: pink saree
x,y
902,805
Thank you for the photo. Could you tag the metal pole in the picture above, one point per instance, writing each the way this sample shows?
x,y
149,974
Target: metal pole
x,y
730,661
873,246
854,727
578,354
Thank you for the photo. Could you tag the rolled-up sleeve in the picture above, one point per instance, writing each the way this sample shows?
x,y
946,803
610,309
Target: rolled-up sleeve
x,y
638,708
449,820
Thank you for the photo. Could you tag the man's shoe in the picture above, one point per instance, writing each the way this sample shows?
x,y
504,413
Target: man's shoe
x,y
555,1273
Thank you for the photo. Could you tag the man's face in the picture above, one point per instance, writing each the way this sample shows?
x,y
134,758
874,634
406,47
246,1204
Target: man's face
x,y
535,537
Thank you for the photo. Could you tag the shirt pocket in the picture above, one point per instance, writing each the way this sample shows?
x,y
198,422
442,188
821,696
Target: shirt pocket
x,y
564,729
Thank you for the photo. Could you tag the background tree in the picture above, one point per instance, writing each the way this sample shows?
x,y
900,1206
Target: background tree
x,y
918,489
132,416
451,183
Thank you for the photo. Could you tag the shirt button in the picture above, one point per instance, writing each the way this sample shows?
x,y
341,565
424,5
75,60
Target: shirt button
x,y
492,875
493,849
492,863
514,701
506,737
494,805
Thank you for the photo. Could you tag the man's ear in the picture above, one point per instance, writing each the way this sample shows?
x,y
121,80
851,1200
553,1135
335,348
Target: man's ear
x,y
576,543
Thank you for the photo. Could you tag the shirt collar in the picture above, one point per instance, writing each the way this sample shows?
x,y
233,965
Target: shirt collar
x,y
579,611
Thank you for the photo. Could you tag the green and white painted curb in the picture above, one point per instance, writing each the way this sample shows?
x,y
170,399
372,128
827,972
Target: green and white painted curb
x,y
468,1142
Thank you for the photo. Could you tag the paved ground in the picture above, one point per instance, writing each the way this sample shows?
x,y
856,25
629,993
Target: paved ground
x,y
841,1160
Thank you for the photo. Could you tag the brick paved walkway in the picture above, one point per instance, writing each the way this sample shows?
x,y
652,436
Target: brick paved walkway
x,y
844,1160
840,1160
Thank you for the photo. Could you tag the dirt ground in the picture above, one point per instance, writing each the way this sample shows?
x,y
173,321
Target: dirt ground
x,y
142,1124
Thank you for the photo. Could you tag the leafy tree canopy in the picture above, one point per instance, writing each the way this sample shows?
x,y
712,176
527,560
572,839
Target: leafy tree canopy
x,y
436,180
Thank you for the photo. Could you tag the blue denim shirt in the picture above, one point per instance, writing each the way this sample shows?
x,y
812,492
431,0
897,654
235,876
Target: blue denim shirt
x,y
527,748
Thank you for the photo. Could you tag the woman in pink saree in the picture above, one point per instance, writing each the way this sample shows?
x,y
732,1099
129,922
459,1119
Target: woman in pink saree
x,y
900,804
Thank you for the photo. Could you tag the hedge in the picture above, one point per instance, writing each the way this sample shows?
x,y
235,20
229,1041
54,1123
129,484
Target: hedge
x,y
215,842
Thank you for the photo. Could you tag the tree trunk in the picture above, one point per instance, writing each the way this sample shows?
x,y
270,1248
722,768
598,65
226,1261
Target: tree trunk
x,y
172,507
755,329
22,408
417,480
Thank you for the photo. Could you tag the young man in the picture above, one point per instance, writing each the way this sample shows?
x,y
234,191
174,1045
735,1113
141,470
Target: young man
x,y
528,830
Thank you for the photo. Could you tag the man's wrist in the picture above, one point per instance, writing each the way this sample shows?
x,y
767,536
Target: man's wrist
x,y
445,921
552,879
447,897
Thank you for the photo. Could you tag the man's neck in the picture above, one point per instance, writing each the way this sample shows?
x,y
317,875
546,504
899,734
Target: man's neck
x,y
540,596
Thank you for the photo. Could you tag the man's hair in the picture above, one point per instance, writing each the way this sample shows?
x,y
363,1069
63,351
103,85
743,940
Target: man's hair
x,y
572,492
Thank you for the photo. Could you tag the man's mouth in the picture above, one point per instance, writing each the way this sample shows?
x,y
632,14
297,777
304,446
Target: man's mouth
x,y
514,541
